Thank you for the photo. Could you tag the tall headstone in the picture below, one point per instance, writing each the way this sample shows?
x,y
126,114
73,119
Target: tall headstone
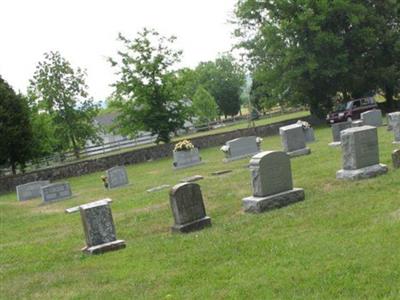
x,y
336,129
272,183
56,191
360,154
30,190
99,229
372,117
293,140
116,177
188,208
392,118
395,123
240,148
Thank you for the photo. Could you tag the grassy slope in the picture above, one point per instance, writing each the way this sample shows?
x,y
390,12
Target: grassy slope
x,y
341,242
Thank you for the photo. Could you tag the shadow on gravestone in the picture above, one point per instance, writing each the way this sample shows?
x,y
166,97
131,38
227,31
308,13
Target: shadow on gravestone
x,y
188,208
272,184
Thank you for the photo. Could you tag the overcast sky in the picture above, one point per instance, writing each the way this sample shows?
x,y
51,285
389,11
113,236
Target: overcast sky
x,y
85,33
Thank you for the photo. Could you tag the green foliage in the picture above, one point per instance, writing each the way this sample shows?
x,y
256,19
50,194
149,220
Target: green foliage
x,y
147,93
15,128
312,52
60,91
45,141
204,106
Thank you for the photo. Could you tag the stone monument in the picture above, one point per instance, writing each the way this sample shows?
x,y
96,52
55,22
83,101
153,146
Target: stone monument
x,y
336,129
185,159
240,148
188,208
271,182
372,117
393,117
117,177
360,154
396,158
293,140
395,123
30,190
55,192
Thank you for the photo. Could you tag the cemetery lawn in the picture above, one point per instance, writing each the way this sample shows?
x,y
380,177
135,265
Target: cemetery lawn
x,y
342,242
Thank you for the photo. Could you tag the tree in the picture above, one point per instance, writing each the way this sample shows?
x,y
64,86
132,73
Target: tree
x,y
147,93
60,91
15,128
312,52
204,106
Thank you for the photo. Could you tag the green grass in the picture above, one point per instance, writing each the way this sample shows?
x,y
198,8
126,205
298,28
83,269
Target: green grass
x,y
342,242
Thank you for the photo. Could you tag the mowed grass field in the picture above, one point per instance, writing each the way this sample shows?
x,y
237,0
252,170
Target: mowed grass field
x,y
342,242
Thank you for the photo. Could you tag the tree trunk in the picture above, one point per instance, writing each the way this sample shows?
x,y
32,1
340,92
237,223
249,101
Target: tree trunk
x,y
13,167
75,147
389,98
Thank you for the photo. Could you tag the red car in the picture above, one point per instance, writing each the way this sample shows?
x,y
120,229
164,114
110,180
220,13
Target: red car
x,y
351,110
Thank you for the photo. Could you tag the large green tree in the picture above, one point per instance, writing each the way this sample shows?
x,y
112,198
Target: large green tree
x,y
60,91
147,91
15,128
204,106
312,52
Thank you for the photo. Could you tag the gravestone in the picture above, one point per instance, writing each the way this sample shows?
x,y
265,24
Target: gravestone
x,y
336,129
396,158
360,154
272,184
185,159
309,135
395,123
293,140
192,178
372,117
188,208
357,123
99,229
55,192
221,172
392,118
158,188
117,177
30,190
240,148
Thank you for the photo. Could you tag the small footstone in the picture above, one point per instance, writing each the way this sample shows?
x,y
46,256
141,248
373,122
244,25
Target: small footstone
x,y
76,208
216,173
158,188
396,158
192,178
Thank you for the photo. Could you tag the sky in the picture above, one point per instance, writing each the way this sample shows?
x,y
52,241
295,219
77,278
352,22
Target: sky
x,y
85,32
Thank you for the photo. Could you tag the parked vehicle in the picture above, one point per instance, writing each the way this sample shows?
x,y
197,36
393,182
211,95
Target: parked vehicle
x,y
351,110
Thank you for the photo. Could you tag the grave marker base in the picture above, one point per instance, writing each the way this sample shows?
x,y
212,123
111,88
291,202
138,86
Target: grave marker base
x,y
111,246
334,144
259,204
192,226
300,152
363,173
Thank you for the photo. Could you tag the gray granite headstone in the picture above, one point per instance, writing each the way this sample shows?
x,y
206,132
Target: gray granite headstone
x,y
271,182
336,129
293,140
392,118
396,158
116,177
188,208
395,123
99,229
56,191
360,154
30,190
372,117
309,135
184,159
241,147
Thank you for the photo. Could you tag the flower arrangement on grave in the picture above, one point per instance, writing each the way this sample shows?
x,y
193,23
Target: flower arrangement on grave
x,y
224,148
184,145
305,124
105,181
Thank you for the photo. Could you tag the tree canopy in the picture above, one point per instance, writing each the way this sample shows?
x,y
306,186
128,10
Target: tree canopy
x,y
204,106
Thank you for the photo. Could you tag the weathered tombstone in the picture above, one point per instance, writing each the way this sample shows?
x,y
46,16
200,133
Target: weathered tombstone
x,y
308,131
55,192
30,190
116,177
192,178
357,123
360,154
221,172
396,158
392,118
240,148
396,127
185,159
293,140
158,188
272,183
98,226
336,129
372,117
188,208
